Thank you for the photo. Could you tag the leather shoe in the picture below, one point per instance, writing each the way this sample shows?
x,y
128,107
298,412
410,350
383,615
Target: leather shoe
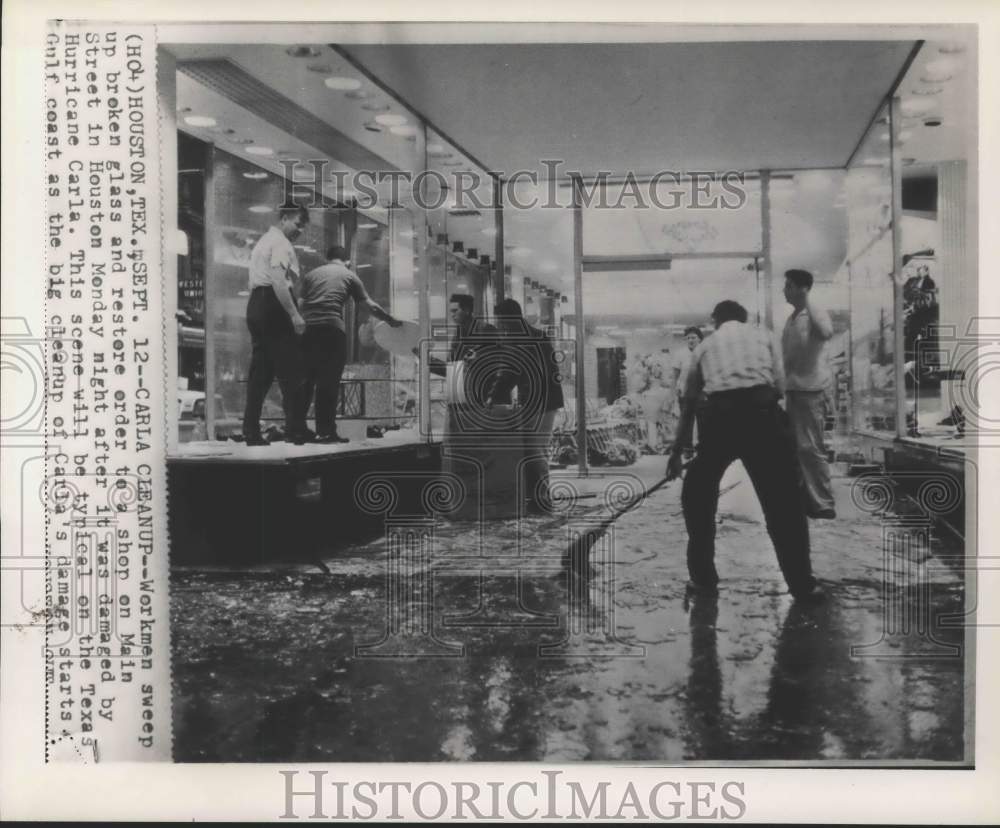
x,y
331,438
816,595
257,441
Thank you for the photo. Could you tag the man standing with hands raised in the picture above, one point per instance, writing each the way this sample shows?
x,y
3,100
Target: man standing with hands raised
x,y
807,376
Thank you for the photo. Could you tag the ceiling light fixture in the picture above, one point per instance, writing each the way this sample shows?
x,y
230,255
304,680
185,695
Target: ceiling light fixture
x,y
390,119
941,66
368,225
260,208
912,106
342,84
302,51
259,150
200,120
928,90
407,130
255,176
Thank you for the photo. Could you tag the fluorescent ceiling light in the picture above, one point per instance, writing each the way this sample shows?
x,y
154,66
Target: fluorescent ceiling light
x,y
200,120
259,150
255,176
260,208
342,84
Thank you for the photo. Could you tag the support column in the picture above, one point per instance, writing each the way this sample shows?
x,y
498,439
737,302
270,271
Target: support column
x,y
581,390
899,344
498,257
766,274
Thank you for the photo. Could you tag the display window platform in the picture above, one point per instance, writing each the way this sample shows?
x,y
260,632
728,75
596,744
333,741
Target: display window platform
x,y
239,505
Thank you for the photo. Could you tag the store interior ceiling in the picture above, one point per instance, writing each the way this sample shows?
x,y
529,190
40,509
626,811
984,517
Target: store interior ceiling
x,y
714,106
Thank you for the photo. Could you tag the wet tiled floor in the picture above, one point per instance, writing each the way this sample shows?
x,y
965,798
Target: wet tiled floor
x,y
463,659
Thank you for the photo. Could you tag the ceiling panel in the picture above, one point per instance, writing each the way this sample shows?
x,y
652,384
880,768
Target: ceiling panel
x,y
645,106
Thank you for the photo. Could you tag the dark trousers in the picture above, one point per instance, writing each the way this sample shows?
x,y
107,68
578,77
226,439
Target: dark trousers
x,y
275,353
325,351
747,425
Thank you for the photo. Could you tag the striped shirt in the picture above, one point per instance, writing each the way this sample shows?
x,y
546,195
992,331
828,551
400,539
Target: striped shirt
x,y
737,355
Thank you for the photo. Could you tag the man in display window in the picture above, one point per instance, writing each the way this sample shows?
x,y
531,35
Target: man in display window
x,y
323,292
275,327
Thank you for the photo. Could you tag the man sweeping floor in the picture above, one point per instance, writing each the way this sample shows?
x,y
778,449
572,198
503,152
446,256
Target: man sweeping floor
x,y
740,370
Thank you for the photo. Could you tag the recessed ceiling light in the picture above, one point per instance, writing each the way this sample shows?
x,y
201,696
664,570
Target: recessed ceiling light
x,y
368,225
390,119
928,90
916,105
945,66
342,84
933,121
302,51
259,150
375,106
255,176
260,208
408,130
200,120
935,77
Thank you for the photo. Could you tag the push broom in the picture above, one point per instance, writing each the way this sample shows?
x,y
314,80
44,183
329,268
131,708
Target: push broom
x,y
577,556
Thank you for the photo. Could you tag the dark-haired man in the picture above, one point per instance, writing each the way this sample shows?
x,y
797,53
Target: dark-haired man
x,y
693,337
808,376
740,371
528,362
275,326
471,338
323,292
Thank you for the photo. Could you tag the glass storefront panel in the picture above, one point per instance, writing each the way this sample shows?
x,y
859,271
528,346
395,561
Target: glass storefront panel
x,y
937,274
701,215
809,232
538,257
243,205
236,167
870,269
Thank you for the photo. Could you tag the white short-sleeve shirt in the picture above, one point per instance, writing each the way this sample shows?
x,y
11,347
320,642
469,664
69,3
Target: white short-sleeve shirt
x,y
270,258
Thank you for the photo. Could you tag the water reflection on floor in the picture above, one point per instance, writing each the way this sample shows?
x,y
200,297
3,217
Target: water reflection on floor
x,y
489,667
